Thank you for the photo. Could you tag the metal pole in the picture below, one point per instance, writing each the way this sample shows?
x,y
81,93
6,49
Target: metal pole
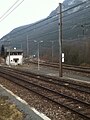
x,y
9,53
38,49
60,40
52,50
38,57
9,56
21,46
27,45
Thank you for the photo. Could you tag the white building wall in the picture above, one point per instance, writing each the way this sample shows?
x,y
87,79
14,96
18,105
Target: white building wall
x,y
12,61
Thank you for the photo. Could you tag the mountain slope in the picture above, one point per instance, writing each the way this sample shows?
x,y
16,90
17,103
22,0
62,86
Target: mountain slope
x,y
76,29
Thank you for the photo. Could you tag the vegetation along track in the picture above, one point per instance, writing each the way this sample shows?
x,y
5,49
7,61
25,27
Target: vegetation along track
x,y
76,105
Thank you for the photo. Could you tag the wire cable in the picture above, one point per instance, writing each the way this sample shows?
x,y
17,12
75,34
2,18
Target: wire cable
x,y
75,14
31,29
51,17
74,7
6,15
9,9
28,27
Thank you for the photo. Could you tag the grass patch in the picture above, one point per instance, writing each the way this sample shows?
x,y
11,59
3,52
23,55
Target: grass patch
x,y
9,111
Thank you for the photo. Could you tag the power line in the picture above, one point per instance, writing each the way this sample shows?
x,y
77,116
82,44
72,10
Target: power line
x,y
9,9
34,24
51,17
38,27
74,6
2,17
86,24
68,28
75,13
42,35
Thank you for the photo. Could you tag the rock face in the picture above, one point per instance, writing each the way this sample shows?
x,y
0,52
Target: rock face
x,y
76,29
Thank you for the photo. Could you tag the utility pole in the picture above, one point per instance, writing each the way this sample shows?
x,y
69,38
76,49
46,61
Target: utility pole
x,y
60,40
9,56
86,43
21,46
9,53
38,57
38,43
52,49
27,45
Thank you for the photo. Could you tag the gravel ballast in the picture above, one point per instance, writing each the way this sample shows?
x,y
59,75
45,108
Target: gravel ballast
x,y
51,110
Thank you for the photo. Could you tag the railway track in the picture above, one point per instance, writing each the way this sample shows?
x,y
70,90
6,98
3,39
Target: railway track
x,y
65,66
54,80
78,106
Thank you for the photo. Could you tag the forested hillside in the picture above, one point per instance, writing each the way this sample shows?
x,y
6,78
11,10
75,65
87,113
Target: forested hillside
x,y
76,34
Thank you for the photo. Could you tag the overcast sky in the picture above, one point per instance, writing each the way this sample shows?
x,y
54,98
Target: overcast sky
x,y
28,12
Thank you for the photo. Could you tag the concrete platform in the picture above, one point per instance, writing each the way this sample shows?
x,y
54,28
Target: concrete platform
x,y
30,113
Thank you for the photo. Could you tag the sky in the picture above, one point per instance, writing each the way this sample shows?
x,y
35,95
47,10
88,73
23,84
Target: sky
x,y
29,11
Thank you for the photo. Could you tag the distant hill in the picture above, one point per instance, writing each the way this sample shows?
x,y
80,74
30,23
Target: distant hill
x,y
76,33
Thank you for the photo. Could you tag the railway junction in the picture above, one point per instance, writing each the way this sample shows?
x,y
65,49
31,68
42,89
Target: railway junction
x,y
58,98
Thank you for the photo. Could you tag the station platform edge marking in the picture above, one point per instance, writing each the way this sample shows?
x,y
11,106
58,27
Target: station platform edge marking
x,y
24,102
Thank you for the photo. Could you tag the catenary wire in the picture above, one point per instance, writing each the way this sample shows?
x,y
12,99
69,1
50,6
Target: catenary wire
x,y
11,11
39,22
52,16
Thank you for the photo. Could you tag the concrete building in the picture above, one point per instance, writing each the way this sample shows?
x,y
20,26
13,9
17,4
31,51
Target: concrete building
x,y
14,57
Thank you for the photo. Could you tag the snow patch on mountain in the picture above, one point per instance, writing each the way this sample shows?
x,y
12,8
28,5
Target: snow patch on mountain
x,y
74,10
83,0
71,2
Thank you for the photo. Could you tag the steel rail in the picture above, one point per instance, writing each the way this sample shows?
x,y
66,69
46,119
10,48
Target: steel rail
x,y
66,67
59,82
19,78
